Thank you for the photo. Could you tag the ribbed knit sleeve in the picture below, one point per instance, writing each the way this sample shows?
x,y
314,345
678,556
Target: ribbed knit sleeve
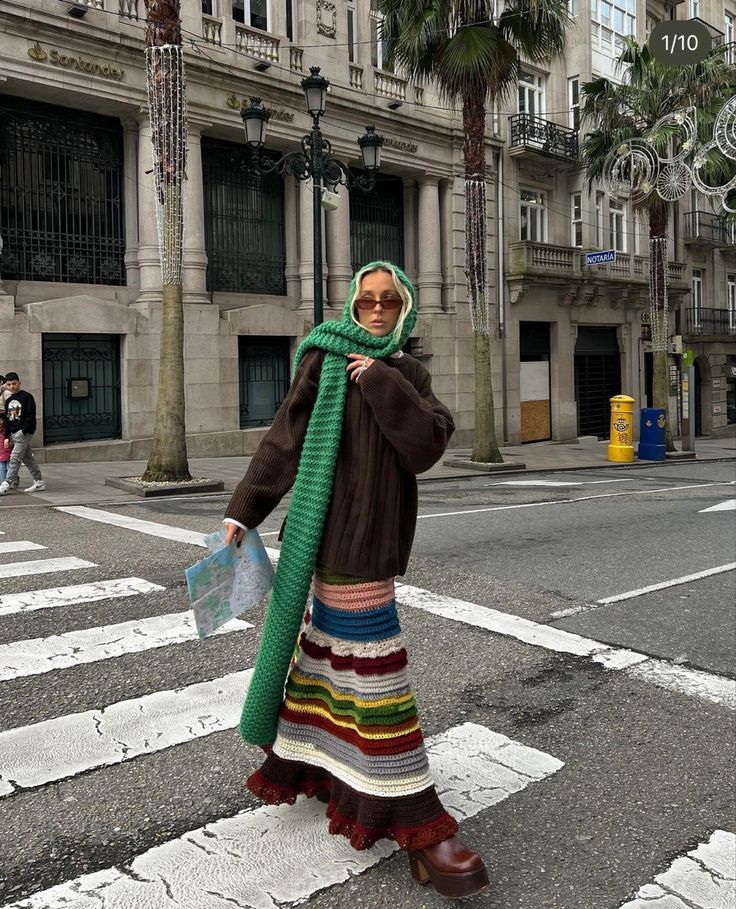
x,y
272,470
417,425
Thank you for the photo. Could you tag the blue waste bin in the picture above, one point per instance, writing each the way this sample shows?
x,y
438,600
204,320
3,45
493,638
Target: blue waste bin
x,y
651,434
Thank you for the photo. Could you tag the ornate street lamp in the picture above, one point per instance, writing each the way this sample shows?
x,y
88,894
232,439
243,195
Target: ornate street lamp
x,y
314,162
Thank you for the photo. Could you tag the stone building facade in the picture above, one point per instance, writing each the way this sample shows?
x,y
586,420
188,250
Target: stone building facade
x,y
79,300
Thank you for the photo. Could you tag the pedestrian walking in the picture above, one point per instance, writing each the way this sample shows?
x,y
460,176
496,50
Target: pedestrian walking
x,y
339,721
4,452
20,425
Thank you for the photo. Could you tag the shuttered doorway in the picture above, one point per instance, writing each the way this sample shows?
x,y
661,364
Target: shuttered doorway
x,y
597,378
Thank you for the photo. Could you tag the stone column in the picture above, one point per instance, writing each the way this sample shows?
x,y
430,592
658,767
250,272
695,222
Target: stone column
x,y
410,230
291,217
430,273
337,236
149,264
306,240
194,272
306,246
130,202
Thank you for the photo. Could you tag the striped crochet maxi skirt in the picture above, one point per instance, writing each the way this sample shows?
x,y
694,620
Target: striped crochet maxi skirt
x,y
348,724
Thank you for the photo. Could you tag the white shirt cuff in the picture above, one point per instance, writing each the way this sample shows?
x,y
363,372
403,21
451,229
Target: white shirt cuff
x,y
236,523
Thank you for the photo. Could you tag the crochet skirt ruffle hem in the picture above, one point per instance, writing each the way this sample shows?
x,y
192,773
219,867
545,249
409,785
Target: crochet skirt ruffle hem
x,y
348,724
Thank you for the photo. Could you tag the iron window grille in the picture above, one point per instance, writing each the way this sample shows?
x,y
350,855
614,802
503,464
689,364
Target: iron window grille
x,y
263,378
377,223
244,222
61,194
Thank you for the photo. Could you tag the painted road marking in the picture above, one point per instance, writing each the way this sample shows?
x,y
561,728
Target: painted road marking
x,y
38,655
42,566
631,594
257,859
692,682
555,483
705,878
152,528
70,596
728,505
65,746
19,546
605,495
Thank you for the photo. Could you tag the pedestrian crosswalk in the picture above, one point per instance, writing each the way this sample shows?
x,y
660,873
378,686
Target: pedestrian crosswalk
x,y
255,858
258,858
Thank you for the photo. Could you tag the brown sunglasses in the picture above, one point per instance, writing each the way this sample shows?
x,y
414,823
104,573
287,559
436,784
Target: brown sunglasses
x,y
367,303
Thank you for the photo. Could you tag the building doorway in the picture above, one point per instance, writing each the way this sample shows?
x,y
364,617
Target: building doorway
x,y
597,378
534,351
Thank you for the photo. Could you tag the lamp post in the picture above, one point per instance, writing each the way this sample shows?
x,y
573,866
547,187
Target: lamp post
x,y
314,162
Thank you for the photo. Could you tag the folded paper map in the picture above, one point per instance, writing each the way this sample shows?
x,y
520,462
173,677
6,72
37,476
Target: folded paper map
x,y
228,581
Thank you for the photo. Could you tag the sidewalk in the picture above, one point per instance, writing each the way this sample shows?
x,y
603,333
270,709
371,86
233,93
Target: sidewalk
x,y
84,482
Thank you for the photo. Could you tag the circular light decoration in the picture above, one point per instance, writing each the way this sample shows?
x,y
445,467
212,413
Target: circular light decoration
x,y
630,171
674,181
698,163
686,124
724,131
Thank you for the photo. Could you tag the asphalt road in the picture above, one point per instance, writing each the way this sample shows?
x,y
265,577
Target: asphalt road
x,y
646,751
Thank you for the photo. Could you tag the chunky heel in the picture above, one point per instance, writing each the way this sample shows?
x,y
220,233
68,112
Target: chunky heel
x,y
418,871
452,869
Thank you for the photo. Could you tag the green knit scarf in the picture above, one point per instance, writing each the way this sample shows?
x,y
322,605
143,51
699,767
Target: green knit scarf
x,y
309,501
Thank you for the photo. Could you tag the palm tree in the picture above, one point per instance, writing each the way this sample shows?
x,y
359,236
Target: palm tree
x,y
628,110
474,58
167,106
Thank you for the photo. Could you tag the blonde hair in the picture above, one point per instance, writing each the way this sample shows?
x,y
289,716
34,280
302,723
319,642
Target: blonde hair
x,y
401,290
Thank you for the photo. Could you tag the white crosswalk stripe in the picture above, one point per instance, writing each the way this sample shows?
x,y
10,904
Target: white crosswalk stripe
x,y
39,655
50,597
42,566
56,749
258,859
19,546
705,878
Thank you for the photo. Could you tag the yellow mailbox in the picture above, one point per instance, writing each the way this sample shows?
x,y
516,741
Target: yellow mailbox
x,y
621,447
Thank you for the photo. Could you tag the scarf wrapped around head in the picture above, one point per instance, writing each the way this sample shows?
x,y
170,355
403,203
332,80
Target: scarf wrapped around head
x,y
310,498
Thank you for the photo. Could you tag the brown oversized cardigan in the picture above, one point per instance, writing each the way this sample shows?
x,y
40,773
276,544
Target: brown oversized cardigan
x,y
394,428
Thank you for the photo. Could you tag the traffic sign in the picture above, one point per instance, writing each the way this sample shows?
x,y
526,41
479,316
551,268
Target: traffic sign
x,y
600,258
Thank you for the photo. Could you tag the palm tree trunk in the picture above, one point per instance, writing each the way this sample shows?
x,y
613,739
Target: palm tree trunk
x,y
660,377
485,443
168,459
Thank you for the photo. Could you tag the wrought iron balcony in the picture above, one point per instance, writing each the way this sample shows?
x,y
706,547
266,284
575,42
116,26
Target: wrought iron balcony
x,y
714,322
705,228
716,34
544,137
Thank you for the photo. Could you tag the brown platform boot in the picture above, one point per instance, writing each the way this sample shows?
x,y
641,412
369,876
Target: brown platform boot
x,y
451,868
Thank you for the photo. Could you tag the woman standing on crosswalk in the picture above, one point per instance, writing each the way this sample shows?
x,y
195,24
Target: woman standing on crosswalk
x,y
339,721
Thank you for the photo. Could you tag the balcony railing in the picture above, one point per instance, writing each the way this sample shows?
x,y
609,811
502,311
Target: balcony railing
x,y
257,44
390,86
544,136
546,260
212,30
716,34
707,227
356,76
717,322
